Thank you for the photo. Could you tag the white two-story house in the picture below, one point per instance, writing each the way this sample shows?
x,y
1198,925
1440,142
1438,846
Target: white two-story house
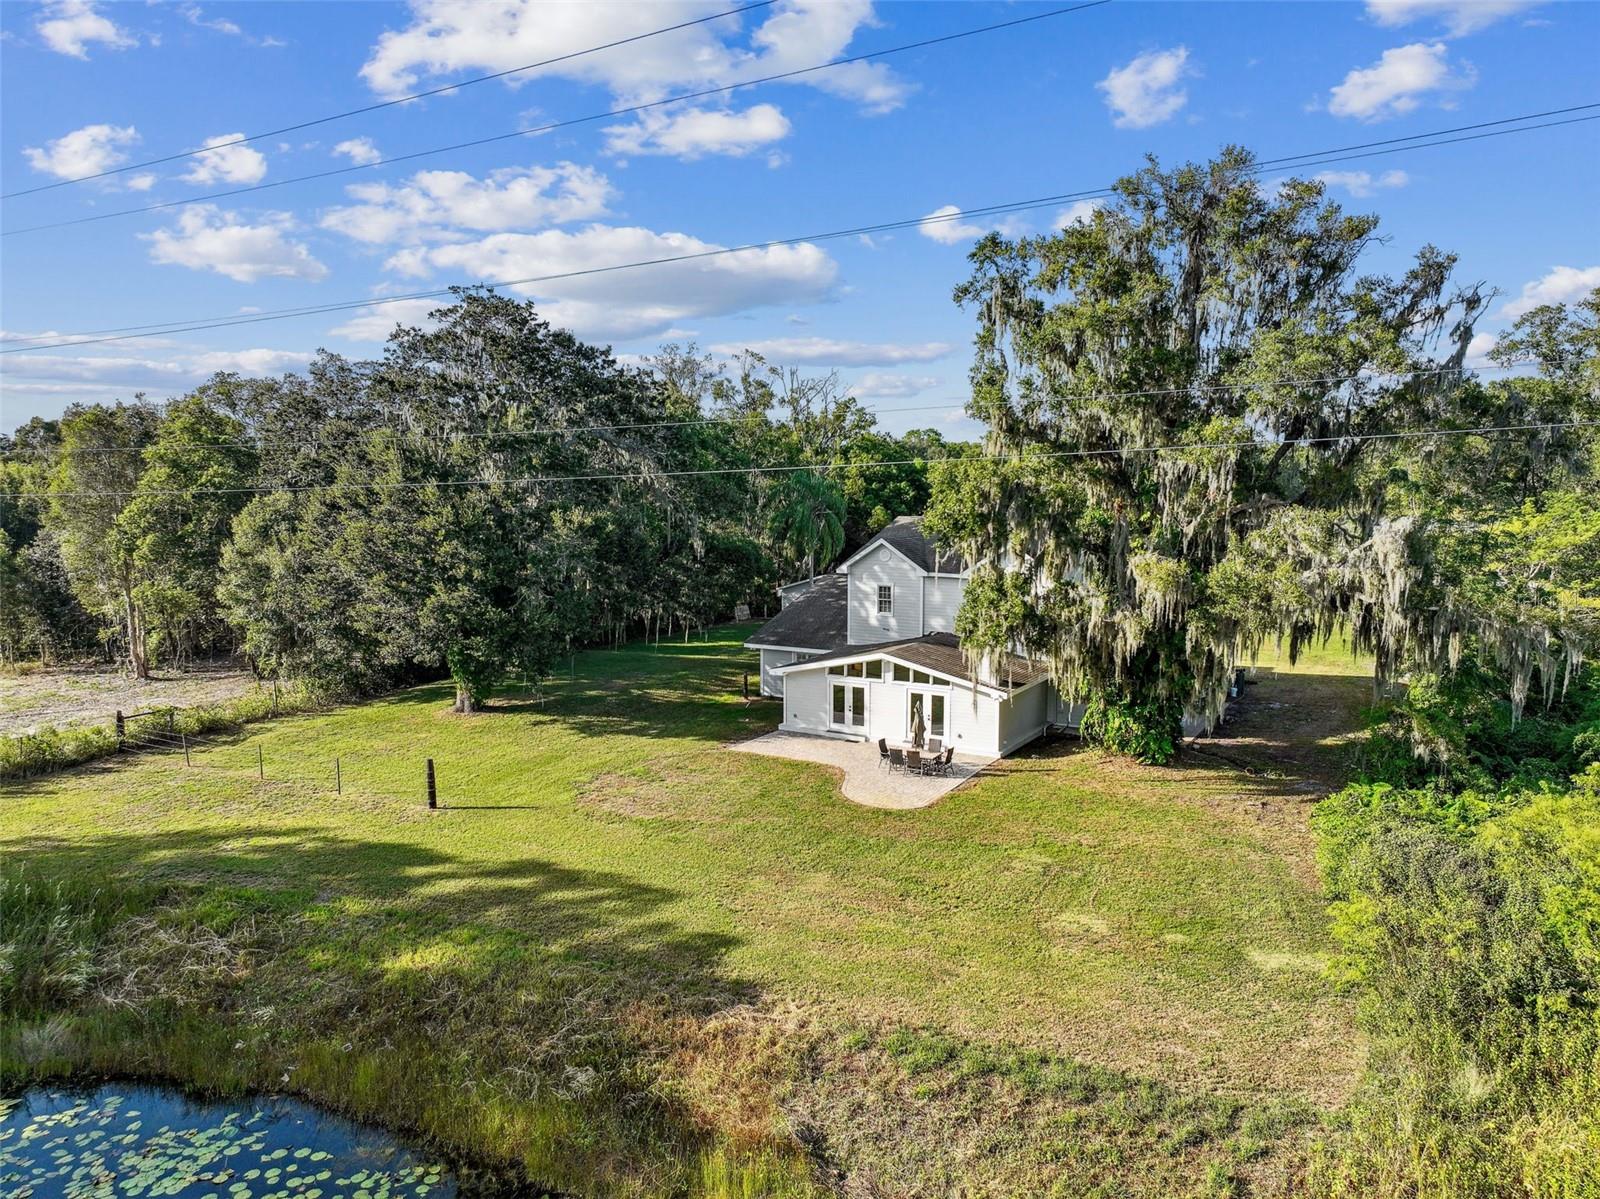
x,y
862,651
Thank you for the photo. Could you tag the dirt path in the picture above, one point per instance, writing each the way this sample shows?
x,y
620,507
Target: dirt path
x,y
90,693
1295,726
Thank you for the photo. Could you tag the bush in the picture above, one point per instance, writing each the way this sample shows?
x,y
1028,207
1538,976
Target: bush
x,y
1471,927
1146,729
52,749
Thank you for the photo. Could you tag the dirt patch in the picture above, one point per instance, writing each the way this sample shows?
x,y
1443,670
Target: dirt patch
x,y
654,796
92,693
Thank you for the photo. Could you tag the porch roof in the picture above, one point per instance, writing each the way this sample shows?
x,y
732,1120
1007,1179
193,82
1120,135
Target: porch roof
x,y
939,652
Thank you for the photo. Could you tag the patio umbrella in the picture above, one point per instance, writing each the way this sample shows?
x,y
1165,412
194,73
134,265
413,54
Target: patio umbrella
x,y
917,727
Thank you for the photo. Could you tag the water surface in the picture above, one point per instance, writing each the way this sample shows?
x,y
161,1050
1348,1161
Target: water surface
x,y
143,1142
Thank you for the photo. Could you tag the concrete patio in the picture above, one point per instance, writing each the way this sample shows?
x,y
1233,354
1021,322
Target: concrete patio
x,y
864,781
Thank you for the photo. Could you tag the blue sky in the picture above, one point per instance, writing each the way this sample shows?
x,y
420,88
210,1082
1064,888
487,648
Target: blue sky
x,y
1056,106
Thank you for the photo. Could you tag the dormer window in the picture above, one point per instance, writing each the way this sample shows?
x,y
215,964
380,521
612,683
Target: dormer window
x,y
885,600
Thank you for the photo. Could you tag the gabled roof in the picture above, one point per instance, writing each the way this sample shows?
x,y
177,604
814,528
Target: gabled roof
x,y
816,619
939,652
905,535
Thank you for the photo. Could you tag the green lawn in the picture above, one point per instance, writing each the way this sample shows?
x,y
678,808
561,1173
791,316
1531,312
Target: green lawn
x,y
1158,923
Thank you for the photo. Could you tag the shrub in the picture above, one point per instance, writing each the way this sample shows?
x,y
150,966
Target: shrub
x,y
51,749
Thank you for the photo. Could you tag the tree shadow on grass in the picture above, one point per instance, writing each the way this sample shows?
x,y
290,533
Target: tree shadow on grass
x,y
412,896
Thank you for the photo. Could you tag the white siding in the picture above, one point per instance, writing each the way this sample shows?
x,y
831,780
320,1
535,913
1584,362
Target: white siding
x,y
805,701
1022,717
941,599
772,684
884,566
974,722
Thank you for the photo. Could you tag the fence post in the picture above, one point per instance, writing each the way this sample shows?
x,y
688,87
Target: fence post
x,y
185,738
122,730
261,765
747,686
338,783
433,791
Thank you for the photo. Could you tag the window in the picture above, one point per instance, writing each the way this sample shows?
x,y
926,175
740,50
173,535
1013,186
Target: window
x,y
854,670
836,670
885,600
919,676
875,668
902,674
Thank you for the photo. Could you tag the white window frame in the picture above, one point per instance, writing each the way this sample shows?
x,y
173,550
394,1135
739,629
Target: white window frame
x,y
885,596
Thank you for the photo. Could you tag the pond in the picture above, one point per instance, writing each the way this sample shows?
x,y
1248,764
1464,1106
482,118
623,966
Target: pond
x,y
142,1142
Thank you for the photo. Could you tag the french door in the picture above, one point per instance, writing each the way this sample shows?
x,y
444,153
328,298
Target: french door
x,y
930,706
849,709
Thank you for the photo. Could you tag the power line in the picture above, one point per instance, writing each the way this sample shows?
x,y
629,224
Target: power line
x,y
653,475
564,124
1314,158
547,430
353,112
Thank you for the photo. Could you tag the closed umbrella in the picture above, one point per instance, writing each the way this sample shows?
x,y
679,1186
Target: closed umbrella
x,y
917,727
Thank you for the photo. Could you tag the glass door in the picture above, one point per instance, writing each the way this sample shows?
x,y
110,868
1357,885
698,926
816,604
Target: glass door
x,y
849,707
930,706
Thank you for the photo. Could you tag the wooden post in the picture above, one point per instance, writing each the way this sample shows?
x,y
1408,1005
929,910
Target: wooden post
x,y
338,782
122,730
433,791
261,765
185,738
747,686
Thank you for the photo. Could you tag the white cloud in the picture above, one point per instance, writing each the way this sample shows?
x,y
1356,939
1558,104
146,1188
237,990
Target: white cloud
x,y
377,322
228,164
207,238
695,132
1361,184
1147,91
1459,17
1478,349
86,151
876,385
635,302
359,150
833,352
940,226
1561,285
141,182
437,205
1078,210
192,14
447,37
1397,82
943,226
71,26
42,384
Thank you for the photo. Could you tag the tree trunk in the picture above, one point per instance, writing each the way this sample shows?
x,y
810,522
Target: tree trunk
x,y
138,660
465,702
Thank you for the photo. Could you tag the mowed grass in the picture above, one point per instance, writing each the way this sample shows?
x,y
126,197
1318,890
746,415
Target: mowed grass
x,y
1163,923
637,962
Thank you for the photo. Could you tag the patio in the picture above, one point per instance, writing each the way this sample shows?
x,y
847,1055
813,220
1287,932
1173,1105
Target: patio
x,y
864,781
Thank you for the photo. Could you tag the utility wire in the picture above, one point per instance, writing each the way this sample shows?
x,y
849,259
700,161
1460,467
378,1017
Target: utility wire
x,y
567,123
547,430
1339,154
354,112
655,475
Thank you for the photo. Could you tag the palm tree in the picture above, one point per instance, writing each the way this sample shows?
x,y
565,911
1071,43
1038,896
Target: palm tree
x,y
806,517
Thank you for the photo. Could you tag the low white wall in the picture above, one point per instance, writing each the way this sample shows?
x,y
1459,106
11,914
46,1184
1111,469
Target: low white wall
x,y
805,701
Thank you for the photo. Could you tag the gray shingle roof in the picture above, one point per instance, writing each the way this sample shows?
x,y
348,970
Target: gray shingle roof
x,y
941,652
816,619
905,534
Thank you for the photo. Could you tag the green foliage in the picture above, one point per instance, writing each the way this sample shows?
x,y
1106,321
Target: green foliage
x,y
1145,727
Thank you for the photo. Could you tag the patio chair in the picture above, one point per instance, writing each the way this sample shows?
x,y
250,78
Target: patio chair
x,y
897,761
934,746
913,762
883,753
947,761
